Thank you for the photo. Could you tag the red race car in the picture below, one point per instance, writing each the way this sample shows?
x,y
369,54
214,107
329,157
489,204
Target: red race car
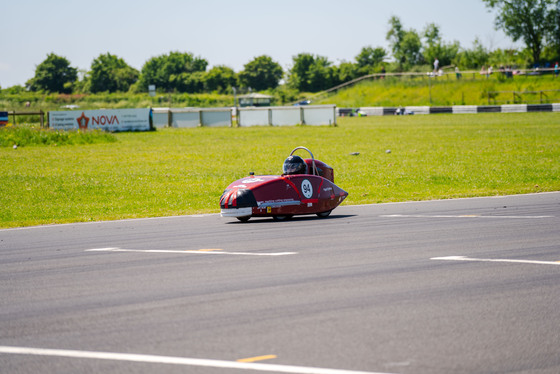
x,y
305,187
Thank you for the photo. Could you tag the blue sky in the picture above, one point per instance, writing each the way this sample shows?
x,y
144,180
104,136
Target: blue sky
x,y
223,32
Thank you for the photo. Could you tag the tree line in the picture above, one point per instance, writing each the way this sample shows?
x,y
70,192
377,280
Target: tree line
x,y
535,22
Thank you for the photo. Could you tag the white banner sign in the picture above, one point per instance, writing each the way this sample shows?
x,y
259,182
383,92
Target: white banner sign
x,y
106,119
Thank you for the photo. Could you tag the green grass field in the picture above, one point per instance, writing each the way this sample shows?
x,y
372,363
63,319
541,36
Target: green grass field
x,y
184,171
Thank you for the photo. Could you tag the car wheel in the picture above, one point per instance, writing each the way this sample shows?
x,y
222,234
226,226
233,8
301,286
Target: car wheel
x,y
324,214
244,219
282,218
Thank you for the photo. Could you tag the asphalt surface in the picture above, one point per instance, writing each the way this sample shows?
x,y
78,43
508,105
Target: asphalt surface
x,y
455,286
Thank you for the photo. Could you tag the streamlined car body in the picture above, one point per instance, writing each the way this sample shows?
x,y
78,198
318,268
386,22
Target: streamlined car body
x,y
310,190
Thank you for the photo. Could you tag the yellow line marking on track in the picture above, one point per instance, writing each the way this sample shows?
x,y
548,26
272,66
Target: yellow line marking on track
x,y
258,358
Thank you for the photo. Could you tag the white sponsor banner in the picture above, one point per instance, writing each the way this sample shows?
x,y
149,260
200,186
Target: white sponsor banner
x,y
105,119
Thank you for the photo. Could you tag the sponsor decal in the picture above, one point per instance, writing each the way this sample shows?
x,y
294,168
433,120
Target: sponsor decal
x,y
106,119
83,121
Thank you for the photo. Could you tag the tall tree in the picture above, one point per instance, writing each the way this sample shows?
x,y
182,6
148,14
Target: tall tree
x,y
533,21
411,48
220,78
54,74
299,73
406,45
435,47
322,75
173,72
555,32
261,73
369,58
474,58
395,35
111,73
311,73
345,72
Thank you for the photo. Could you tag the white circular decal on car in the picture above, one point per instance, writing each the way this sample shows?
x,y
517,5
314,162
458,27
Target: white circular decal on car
x,y
307,188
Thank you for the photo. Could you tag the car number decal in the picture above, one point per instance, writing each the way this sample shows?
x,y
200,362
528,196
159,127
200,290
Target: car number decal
x,y
307,188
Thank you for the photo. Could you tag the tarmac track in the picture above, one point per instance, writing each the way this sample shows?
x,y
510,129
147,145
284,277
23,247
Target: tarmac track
x,y
453,286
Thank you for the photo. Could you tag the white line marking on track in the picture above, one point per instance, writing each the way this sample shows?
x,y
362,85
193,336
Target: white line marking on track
x,y
197,252
175,360
459,216
464,258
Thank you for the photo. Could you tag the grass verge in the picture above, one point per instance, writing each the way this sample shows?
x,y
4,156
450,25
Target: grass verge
x,y
26,135
184,171
447,91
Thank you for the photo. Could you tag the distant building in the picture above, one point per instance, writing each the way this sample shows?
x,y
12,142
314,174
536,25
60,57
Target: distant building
x,y
254,99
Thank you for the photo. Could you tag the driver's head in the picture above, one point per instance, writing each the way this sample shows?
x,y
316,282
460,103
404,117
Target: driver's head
x,y
294,165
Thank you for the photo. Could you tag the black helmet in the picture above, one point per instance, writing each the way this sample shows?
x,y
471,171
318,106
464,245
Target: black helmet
x,y
294,165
